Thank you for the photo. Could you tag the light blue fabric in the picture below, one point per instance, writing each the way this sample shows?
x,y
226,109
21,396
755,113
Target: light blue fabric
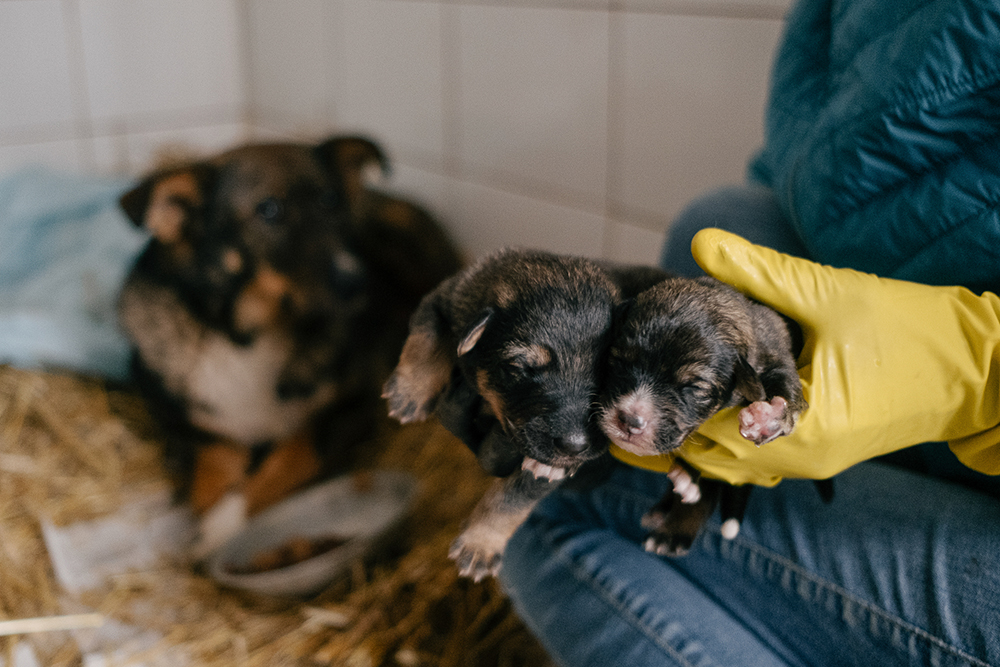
x,y
882,140
64,250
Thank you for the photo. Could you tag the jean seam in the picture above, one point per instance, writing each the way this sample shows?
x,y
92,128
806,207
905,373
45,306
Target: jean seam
x,y
584,576
872,608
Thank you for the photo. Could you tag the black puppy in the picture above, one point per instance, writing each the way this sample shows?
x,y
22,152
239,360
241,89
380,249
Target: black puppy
x,y
683,350
526,333
266,311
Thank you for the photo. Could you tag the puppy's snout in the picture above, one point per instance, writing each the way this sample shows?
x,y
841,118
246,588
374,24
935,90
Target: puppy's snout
x,y
574,443
631,422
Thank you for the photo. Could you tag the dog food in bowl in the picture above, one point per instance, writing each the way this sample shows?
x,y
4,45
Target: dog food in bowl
x,y
300,545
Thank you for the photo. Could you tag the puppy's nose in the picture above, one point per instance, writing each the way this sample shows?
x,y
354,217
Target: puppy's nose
x,y
572,444
631,422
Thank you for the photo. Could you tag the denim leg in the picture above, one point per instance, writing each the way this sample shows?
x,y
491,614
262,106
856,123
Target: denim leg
x,y
751,211
900,569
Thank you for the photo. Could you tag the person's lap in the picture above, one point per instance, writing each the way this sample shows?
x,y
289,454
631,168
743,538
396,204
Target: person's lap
x,y
900,568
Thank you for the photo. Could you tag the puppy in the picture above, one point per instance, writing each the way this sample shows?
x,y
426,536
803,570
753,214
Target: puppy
x,y
683,350
511,349
266,311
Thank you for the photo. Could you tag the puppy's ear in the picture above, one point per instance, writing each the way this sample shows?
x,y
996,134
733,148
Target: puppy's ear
x,y
345,159
748,383
164,202
475,333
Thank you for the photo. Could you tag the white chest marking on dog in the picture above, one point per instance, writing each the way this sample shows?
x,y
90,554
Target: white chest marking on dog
x,y
233,390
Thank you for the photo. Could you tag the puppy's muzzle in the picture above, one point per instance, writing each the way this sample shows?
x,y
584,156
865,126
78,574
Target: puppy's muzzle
x,y
573,444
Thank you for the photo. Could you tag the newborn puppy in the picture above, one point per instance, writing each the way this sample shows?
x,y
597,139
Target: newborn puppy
x,y
526,332
683,350
266,311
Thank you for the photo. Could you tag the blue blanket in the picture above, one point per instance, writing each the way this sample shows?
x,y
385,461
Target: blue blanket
x,y
64,250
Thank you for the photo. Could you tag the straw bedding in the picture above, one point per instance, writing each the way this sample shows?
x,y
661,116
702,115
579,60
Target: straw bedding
x,y
73,448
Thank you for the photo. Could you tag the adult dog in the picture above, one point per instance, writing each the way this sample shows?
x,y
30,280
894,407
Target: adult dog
x,y
266,311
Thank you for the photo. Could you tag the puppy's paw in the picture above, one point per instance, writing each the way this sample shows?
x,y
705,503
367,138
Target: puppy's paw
x,y
685,485
409,401
762,421
666,543
667,535
478,552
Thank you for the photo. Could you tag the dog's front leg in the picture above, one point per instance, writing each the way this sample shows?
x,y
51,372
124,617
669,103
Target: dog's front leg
x,y
478,551
225,496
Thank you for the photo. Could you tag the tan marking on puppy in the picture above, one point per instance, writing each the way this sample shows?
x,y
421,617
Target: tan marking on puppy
x,y
260,303
504,294
492,398
529,356
421,375
479,548
166,215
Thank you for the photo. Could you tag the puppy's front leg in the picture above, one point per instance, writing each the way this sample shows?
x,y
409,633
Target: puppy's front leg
x,y
425,363
674,525
478,551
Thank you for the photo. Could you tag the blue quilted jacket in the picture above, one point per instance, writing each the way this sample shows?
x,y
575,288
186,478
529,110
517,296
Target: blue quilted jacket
x,y
883,136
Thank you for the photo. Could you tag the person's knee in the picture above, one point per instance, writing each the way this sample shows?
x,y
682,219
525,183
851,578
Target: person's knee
x,y
751,211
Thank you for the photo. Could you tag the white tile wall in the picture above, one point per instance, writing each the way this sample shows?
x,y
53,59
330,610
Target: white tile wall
x,y
36,72
392,77
534,100
294,58
691,95
91,84
576,125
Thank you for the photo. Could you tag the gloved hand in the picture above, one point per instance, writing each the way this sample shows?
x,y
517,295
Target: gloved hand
x,y
886,364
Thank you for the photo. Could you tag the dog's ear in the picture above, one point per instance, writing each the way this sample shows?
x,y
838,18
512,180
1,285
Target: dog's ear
x,y
748,383
164,202
345,159
475,333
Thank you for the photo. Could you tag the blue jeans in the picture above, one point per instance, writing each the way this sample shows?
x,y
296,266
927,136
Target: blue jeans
x,y
902,568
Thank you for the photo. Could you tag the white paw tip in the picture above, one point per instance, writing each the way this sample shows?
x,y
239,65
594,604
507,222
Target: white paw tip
x,y
730,528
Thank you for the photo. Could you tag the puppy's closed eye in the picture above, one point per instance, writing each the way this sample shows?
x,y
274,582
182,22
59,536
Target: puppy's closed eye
x,y
528,357
700,389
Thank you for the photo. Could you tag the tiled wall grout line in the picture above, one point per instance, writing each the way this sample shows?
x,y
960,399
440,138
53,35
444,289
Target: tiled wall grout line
x,y
82,117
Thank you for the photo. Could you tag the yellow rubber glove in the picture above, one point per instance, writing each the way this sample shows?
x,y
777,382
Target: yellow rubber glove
x,y
886,364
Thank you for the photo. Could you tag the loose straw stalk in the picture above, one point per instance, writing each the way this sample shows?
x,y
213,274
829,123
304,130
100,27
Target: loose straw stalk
x,y
25,626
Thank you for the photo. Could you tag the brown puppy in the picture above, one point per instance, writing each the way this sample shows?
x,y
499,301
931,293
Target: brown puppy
x,y
526,331
266,311
683,350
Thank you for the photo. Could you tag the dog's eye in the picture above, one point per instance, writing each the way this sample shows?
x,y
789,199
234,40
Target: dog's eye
x,y
270,210
529,357
697,392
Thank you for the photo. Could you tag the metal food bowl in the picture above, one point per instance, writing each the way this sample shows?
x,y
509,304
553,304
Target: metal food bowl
x,y
327,527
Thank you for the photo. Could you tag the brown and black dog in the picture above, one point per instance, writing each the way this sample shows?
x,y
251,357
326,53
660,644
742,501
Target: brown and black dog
x,y
682,350
267,310
525,332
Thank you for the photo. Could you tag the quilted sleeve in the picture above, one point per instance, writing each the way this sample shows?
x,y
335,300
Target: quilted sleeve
x,y
883,137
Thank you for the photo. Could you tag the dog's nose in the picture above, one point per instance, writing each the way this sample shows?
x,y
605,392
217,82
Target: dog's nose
x,y
572,444
631,422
